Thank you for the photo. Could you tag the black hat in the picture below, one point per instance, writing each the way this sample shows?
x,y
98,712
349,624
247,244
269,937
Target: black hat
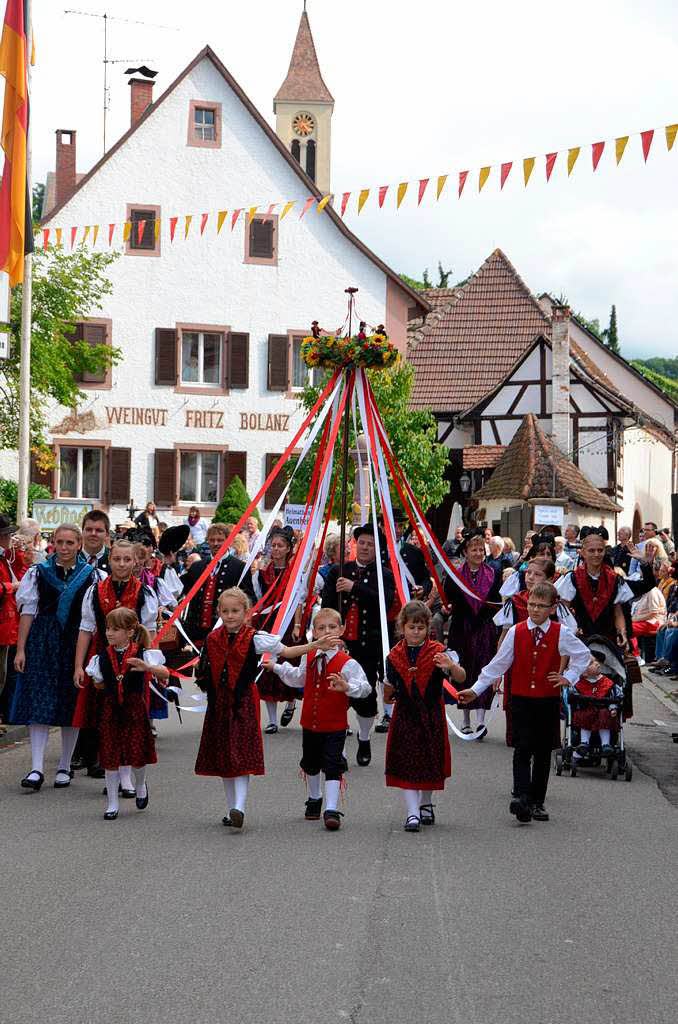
x,y
370,529
6,526
286,532
586,531
173,539
469,535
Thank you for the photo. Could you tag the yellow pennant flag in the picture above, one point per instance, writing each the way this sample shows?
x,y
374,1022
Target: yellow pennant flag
x,y
251,213
57,232
287,207
671,130
95,234
528,167
156,229
482,177
620,146
221,217
362,198
187,224
441,185
572,155
85,234
323,202
126,231
402,189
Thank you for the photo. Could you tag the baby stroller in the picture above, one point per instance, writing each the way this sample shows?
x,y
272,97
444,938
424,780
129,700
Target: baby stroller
x,y
615,762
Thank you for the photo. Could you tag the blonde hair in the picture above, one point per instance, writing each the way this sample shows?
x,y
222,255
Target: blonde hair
x,y
240,546
508,544
122,543
126,618
71,527
238,594
329,612
331,544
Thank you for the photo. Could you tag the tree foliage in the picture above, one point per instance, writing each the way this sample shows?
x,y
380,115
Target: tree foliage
x,y
67,288
666,384
667,367
609,335
425,283
234,502
8,497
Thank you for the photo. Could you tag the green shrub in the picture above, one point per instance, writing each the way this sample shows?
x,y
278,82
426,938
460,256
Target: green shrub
x,y
234,502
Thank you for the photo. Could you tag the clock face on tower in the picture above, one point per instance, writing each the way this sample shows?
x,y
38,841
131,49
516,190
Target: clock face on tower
x,y
303,125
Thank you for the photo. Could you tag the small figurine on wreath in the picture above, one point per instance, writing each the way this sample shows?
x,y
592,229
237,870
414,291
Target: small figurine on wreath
x,y
362,336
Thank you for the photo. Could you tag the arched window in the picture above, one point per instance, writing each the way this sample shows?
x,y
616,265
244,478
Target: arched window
x,y
310,159
296,149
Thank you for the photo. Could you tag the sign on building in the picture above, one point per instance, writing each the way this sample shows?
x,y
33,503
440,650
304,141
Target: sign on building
x,y
50,514
294,516
549,515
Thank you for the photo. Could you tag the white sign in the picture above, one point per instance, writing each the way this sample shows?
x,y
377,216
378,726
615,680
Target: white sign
x,y
4,315
549,515
294,516
50,514
4,344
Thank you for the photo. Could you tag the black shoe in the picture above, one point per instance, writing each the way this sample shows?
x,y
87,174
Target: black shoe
x,y
539,813
237,817
33,784
364,755
521,809
110,815
426,814
286,717
607,750
64,773
270,729
142,801
384,724
95,771
226,821
332,820
412,824
313,808
78,763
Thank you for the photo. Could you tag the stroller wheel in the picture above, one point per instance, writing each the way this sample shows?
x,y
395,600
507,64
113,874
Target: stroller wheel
x,y
628,773
559,762
614,771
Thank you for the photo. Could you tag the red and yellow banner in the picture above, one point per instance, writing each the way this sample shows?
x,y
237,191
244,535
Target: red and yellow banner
x,y
16,230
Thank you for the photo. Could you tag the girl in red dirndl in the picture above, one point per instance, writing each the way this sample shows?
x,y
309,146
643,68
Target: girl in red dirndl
x,y
418,749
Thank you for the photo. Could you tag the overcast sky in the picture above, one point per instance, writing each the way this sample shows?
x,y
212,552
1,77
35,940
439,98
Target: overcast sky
x,y
433,87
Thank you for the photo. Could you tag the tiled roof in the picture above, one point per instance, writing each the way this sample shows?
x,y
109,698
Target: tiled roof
x,y
482,456
304,83
473,337
526,471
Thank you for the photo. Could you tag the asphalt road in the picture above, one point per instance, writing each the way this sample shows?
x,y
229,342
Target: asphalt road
x,y
166,916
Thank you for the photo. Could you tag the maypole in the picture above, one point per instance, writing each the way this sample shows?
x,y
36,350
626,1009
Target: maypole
x,y
344,461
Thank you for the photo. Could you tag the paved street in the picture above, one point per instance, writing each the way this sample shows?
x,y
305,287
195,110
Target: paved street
x,y
166,916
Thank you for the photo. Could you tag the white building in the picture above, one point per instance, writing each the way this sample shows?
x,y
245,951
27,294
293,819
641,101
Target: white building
x,y
210,325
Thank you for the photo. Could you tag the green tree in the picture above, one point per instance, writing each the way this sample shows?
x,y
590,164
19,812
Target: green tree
x,y
667,367
666,384
609,335
67,288
443,275
234,502
412,434
38,198
8,497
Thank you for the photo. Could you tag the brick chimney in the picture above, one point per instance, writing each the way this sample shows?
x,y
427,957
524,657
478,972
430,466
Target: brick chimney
x,y
65,165
560,377
141,97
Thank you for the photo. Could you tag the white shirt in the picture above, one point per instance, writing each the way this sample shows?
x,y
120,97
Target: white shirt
x,y
151,657
27,595
198,530
567,592
511,585
568,646
149,611
506,616
172,581
295,675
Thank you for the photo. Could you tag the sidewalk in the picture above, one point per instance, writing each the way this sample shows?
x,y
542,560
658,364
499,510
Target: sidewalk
x,y
13,735
665,689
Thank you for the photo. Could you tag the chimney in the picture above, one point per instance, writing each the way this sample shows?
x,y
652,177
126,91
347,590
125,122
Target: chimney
x,y
141,97
65,165
560,377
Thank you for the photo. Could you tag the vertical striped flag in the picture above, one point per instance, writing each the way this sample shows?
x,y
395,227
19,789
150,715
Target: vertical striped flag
x,y
16,227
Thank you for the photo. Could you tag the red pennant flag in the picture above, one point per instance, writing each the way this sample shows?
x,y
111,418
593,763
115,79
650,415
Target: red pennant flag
x,y
596,153
269,212
383,189
423,182
74,232
141,227
173,227
505,171
236,214
550,161
45,238
203,221
344,200
111,229
307,206
646,139
463,175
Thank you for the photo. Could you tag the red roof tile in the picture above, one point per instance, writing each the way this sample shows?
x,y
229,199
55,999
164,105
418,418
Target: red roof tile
x,y
482,456
304,83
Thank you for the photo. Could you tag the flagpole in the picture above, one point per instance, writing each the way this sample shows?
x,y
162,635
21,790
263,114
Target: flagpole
x,y
26,314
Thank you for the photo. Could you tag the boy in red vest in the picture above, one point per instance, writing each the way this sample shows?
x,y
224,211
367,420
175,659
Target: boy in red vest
x,y
328,681
532,650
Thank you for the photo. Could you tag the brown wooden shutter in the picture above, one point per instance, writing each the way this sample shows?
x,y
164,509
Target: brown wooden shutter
x,y
261,239
118,467
94,334
278,485
239,361
45,477
78,334
235,464
165,356
165,477
278,378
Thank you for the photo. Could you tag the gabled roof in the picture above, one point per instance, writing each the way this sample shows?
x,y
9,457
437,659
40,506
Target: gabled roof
x,y
474,336
207,53
534,467
304,83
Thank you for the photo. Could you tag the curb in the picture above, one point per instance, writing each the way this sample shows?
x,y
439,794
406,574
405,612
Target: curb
x,y
661,695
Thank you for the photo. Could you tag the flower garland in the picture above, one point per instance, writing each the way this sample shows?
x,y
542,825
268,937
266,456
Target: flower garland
x,y
328,350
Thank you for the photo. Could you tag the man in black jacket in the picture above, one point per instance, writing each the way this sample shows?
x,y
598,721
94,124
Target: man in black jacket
x,y
202,610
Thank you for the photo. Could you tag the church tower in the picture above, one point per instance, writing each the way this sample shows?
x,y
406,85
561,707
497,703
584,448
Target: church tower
x,y
303,106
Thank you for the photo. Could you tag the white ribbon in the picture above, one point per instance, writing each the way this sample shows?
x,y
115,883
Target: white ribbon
x,y
480,730
201,710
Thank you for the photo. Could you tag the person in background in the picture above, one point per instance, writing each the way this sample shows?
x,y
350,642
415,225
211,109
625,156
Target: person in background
x,y
496,558
487,537
564,562
510,550
572,540
253,531
665,538
197,525
29,539
621,552
13,565
148,520
527,547
96,536
450,546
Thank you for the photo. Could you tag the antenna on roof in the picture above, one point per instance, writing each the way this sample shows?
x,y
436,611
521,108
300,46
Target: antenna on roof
x,y
106,60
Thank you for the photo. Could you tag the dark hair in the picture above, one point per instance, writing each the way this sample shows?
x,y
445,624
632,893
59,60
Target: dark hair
x,y
414,611
587,531
126,618
545,564
545,592
286,532
97,515
649,523
468,536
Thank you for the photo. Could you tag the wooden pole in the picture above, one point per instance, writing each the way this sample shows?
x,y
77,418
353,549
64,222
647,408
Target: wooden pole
x,y
26,318
344,463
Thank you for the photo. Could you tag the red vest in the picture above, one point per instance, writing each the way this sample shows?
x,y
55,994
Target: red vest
x,y
324,710
598,688
532,663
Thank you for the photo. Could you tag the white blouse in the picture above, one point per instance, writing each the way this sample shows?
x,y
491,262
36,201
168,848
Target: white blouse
x,y
295,675
506,616
28,595
510,586
172,581
567,591
149,611
151,657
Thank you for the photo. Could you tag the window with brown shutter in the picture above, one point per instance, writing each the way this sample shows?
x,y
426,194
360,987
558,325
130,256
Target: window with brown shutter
x,y
118,468
239,361
261,240
94,332
165,477
165,356
278,485
278,378
144,234
235,464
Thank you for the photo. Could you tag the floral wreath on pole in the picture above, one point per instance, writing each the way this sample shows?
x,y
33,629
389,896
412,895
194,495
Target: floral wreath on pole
x,y
329,350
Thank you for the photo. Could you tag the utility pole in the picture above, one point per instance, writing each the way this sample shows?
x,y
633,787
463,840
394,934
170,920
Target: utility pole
x,y
26,312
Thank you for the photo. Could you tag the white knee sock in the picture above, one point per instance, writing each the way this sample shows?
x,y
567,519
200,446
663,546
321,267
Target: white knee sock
x,y
480,717
241,784
229,789
112,782
314,787
69,737
291,705
272,710
332,787
140,782
364,726
604,736
125,771
39,735
425,796
585,735
411,802
466,719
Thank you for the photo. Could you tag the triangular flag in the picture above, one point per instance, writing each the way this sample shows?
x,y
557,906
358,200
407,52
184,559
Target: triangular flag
x,y
250,213
383,189
402,189
505,171
221,217
550,161
646,140
74,232
234,217
173,227
126,231
362,198
85,234
156,228
95,235
671,130
141,227
323,202
187,224
528,167
423,182
111,229
572,156
620,146
57,232
287,207
203,222
596,153
45,238
272,206
344,200
441,184
463,175
307,206
482,177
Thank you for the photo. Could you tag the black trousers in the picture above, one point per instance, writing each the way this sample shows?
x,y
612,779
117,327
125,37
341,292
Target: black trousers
x,y
535,727
323,752
366,707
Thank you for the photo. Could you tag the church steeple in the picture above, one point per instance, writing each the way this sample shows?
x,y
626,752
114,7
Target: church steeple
x,y
303,106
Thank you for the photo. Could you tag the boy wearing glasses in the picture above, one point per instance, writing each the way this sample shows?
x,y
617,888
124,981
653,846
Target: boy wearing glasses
x,y
532,651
